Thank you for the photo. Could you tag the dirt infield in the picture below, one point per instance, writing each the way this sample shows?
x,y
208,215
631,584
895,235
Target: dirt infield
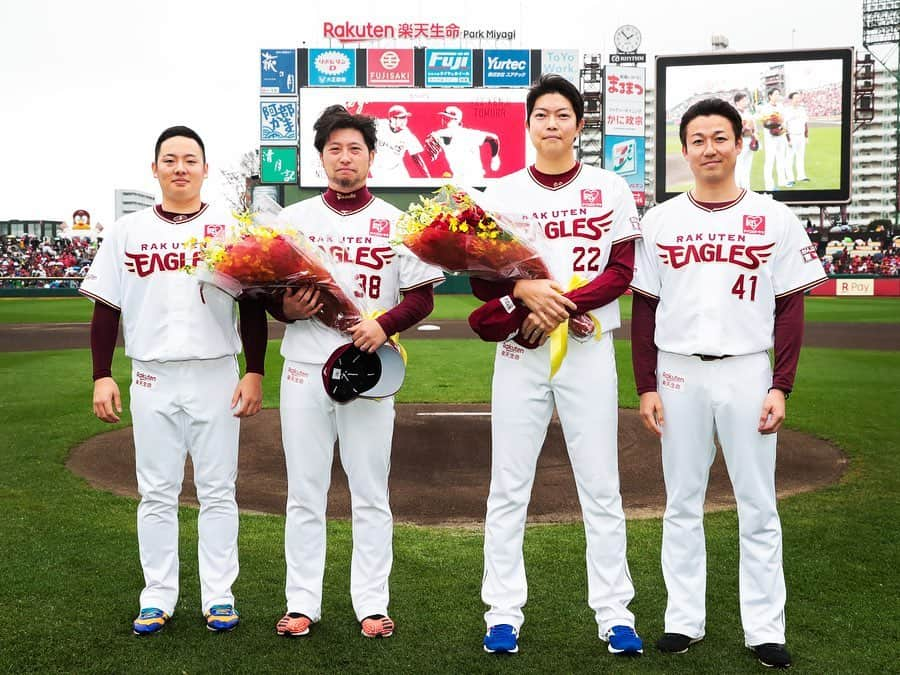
x,y
41,337
440,468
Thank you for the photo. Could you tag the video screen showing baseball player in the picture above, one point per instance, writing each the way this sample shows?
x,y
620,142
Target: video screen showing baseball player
x,y
182,339
750,144
462,147
797,127
395,142
719,280
589,223
777,169
355,228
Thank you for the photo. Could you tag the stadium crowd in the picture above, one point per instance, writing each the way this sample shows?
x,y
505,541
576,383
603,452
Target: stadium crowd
x,y
33,262
36,262
886,264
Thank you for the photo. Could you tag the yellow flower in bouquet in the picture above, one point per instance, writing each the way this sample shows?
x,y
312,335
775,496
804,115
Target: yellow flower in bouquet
x,y
453,232
263,259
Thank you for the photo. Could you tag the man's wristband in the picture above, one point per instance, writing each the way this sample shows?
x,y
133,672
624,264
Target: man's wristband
x,y
787,394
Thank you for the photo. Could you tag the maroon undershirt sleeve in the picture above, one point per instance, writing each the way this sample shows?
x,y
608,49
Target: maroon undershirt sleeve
x,y
788,340
104,331
274,305
417,303
643,348
254,334
491,290
610,284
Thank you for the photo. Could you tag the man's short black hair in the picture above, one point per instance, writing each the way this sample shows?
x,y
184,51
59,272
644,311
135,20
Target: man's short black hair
x,y
792,95
739,96
171,132
710,106
555,84
772,91
336,117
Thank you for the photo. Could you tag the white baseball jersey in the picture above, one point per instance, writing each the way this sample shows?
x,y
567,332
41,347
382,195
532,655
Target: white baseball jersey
x,y
717,273
795,121
166,315
390,150
575,224
362,240
462,148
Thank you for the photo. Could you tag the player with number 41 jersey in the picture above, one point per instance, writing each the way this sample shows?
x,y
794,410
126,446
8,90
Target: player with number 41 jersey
x,y
727,262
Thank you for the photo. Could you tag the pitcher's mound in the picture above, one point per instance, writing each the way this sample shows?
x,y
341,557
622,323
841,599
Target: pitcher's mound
x,y
440,468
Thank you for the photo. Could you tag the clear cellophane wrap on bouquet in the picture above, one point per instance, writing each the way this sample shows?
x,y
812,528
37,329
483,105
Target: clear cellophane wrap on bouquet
x,y
260,256
453,231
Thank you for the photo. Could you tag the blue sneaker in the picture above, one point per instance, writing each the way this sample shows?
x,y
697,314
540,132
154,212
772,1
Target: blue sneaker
x,y
150,620
501,639
623,640
222,618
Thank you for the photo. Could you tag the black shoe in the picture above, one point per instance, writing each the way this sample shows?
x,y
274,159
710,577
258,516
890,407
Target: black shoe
x,y
772,655
675,643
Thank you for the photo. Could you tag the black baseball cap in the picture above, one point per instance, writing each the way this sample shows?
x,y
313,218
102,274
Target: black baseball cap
x,y
351,372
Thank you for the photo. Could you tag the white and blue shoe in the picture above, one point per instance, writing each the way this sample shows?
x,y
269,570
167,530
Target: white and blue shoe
x,y
623,640
501,639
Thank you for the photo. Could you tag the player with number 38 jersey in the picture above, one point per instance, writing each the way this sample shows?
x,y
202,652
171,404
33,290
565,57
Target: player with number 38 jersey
x,y
356,231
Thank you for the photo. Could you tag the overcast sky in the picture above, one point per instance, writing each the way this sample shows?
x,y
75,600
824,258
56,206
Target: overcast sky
x,y
87,85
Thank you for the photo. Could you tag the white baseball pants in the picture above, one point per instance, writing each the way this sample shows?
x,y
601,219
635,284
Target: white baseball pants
x,y
310,423
776,152
700,399
179,407
744,167
586,398
798,156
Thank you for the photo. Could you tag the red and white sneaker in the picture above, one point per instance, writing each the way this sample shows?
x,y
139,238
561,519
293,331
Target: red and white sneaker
x,y
377,626
293,624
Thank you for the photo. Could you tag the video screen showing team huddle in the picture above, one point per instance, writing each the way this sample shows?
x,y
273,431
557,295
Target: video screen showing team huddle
x,y
427,138
796,112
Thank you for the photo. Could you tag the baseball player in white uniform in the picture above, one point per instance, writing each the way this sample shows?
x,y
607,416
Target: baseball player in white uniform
x,y
185,394
395,140
589,223
462,147
719,279
355,229
797,124
750,142
775,145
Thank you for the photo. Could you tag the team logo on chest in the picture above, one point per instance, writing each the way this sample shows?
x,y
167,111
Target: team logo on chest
x,y
591,197
160,257
379,227
754,224
213,231
748,257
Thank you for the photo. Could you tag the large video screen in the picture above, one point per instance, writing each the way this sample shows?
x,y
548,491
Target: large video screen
x,y
427,137
797,115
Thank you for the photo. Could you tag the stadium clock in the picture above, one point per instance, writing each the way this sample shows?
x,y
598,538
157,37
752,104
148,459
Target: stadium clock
x,y
627,39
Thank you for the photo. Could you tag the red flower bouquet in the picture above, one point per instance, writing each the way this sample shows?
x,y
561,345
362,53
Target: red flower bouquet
x,y
774,122
257,260
454,233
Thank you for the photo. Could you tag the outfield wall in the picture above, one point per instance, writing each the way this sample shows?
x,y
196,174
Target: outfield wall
x,y
845,286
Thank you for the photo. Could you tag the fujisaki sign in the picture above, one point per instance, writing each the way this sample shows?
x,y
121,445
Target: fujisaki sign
x,y
389,68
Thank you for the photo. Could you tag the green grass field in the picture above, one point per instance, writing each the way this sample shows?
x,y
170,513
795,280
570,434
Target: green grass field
x,y
448,307
71,576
